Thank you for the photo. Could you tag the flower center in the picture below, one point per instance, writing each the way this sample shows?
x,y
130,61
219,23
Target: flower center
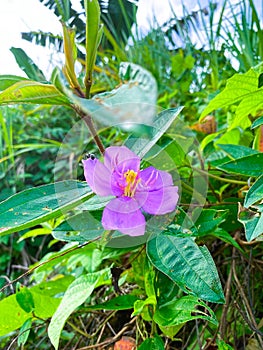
x,y
132,182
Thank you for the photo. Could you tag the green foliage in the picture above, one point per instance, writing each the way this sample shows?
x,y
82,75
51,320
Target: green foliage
x,y
166,279
242,89
27,65
76,294
197,274
49,201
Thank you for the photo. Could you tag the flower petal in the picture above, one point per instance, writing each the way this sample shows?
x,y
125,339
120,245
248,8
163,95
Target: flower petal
x,y
115,155
123,215
158,202
153,179
97,176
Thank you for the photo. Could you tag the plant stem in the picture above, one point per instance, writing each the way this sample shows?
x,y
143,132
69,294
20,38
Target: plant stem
x,y
221,178
89,122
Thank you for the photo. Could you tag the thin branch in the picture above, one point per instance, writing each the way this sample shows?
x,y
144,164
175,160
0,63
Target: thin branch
x,y
45,262
89,122
110,341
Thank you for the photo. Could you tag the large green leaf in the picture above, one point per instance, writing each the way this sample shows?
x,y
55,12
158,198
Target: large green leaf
x,y
8,80
33,206
182,310
187,264
237,151
242,89
27,65
249,166
133,102
27,91
255,193
12,316
75,295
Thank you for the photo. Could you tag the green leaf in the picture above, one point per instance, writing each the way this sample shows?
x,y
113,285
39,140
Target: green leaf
x,y
165,289
12,316
237,151
253,223
92,10
122,302
249,166
8,80
187,264
27,91
79,228
257,122
224,346
133,102
242,89
160,125
27,65
25,299
208,220
33,206
24,332
70,51
183,310
155,343
255,193
75,295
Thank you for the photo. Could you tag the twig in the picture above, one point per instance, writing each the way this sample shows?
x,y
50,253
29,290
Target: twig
x,y
222,326
89,122
249,319
45,262
112,340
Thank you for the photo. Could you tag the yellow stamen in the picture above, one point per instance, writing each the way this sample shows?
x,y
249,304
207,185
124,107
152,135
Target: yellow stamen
x,y
131,183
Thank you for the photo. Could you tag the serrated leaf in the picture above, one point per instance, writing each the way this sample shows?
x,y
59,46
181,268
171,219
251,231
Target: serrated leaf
x,y
183,310
242,88
249,166
27,91
33,206
255,193
75,295
187,264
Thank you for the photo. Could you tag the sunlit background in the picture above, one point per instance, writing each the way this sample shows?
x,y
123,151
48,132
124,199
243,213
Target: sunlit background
x,y
18,16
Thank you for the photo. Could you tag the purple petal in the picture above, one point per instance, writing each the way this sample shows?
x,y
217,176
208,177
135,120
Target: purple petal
x,y
115,155
97,176
158,202
123,215
153,179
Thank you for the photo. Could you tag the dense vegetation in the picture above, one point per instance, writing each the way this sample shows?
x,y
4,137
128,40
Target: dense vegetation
x,y
174,98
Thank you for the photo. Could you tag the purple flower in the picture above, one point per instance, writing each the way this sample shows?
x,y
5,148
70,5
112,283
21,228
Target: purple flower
x,y
149,190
